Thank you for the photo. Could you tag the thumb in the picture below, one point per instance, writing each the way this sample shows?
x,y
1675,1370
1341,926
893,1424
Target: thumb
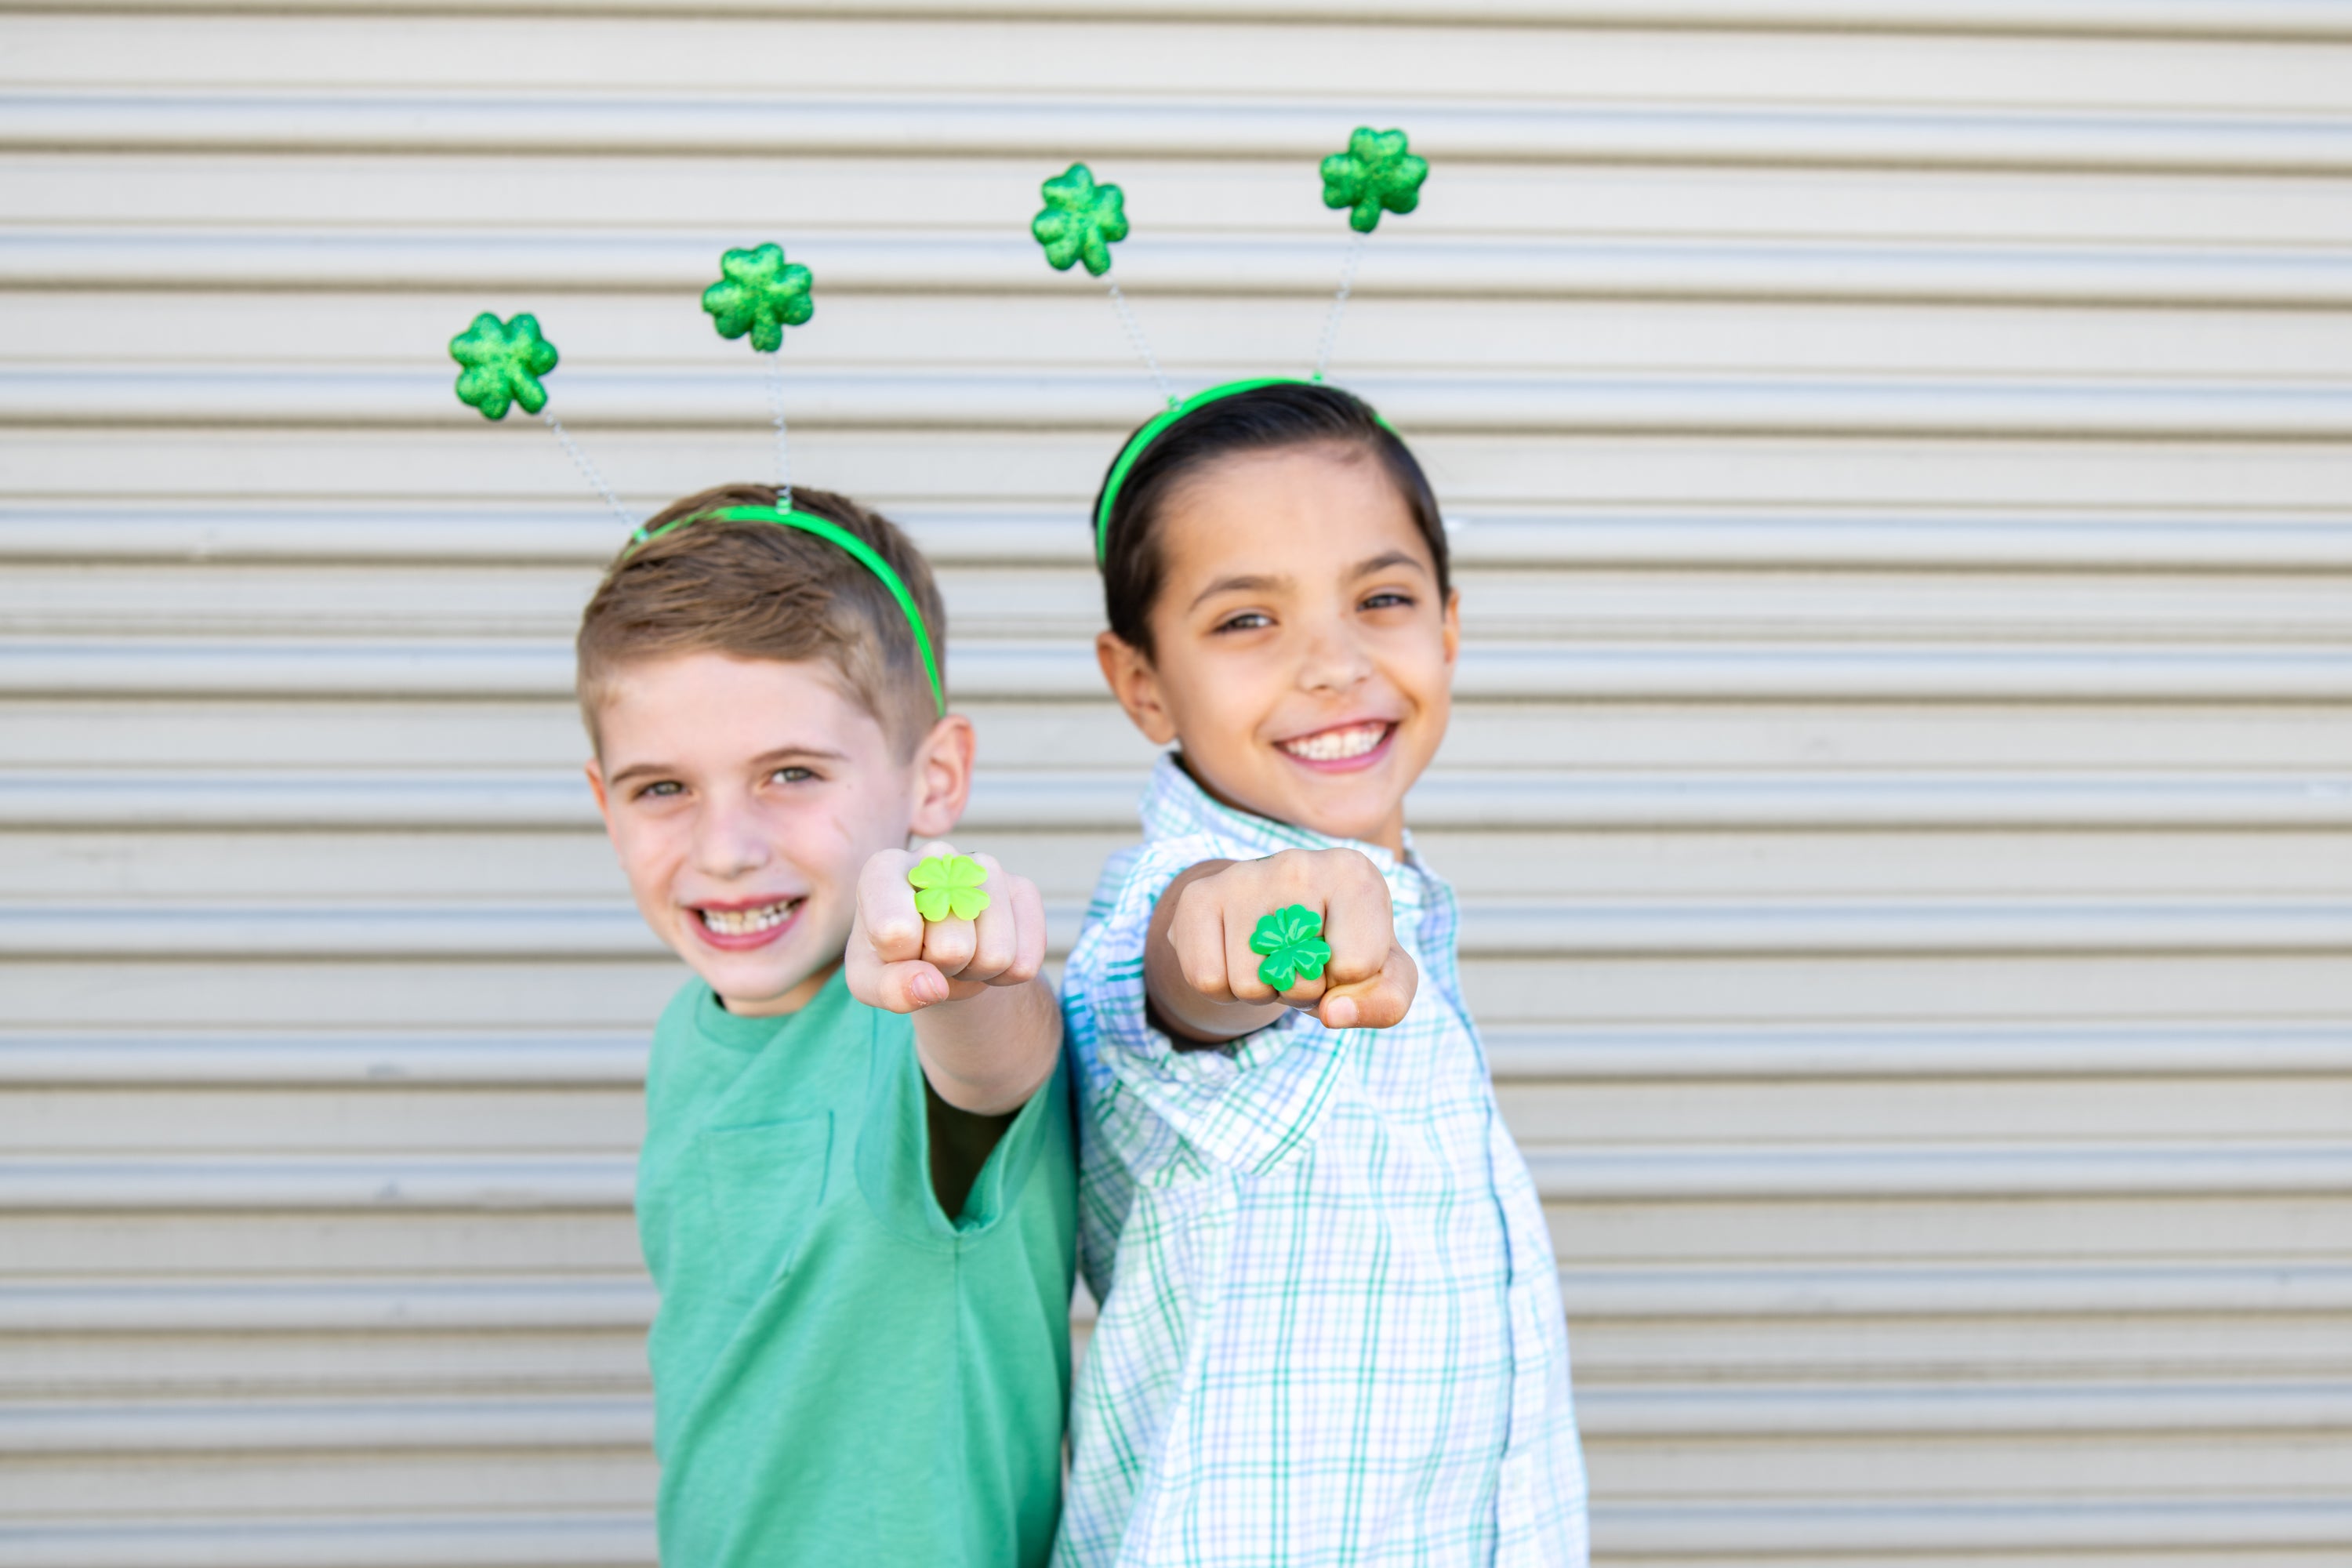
x,y
908,987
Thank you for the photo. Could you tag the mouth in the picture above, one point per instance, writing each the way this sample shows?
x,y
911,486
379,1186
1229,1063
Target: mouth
x,y
1342,748
741,926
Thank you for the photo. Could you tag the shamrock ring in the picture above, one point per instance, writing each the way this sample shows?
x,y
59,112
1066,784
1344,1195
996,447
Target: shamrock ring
x,y
1291,940
948,886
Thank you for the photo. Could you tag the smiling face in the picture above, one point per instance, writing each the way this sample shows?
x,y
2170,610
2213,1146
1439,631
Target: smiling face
x,y
743,797
1302,653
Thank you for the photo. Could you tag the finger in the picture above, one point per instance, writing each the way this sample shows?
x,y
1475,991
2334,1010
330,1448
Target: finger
x,y
1244,962
887,905
1380,1002
907,987
948,943
993,936
1358,923
1028,931
1198,935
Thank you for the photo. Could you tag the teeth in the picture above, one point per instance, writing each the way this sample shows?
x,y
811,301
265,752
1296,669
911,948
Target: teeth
x,y
742,922
1337,746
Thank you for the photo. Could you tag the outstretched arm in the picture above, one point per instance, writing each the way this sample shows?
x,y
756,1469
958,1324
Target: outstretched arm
x,y
988,1030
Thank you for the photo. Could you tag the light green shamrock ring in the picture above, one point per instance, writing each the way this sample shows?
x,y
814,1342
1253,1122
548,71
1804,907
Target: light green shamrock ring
x,y
1375,174
503,362
761,293
1081,222
1291,940
948,886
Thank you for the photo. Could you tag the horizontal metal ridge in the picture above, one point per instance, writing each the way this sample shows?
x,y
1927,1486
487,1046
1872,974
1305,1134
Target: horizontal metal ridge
x,y
814,124
270,530
519,1183
1606,1412
360,1057
625,1303
1577,267
2012,1049
1646,405
1938,1527
1065,670
1490,928
1648,1172
2229,1288
1808,1410
585,1538
2197,19
476,1305
295,799
1719,1171
1517,1054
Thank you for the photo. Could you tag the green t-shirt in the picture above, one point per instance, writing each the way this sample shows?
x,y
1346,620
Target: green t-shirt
x,y
841,1372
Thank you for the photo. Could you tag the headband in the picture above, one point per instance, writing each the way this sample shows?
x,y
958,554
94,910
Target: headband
x,y
857,550
1083,218
758,295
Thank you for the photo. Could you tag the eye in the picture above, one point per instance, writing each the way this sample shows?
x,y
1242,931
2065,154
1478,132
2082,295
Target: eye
x,y
792,774
1388,599
1247,621
660,789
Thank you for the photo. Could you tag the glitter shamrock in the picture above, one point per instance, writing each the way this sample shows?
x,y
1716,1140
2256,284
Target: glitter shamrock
x,y
948,885
1292,941
761,293
1375,173
503,361
1081,221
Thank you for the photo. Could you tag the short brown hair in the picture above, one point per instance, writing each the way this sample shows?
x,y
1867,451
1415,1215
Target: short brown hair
x,y
752,590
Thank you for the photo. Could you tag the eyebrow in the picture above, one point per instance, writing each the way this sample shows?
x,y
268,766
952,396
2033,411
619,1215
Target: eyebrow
x,y
1245,583
1387,559
764,760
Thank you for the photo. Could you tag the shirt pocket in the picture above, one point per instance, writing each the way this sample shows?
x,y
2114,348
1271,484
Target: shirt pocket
x,y
764,1183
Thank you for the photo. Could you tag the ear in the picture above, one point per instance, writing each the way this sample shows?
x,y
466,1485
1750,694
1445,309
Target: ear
x,y
942,776
594,769
1453,626
1136,684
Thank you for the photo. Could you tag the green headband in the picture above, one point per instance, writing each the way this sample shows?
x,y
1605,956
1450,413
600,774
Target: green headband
x,y
1140,442
862,552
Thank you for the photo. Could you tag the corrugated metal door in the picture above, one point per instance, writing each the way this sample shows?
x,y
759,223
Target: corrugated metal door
x,y
1901,793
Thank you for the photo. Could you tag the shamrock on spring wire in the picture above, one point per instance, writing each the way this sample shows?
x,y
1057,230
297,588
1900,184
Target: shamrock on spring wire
x,y
1292,943
1374,173
948,885
1081,221
503,361
761,293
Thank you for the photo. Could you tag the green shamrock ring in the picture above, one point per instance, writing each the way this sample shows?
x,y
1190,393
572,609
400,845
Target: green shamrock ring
x,y
1375,174
1292,943
1081,222
503,362
948,886
761,293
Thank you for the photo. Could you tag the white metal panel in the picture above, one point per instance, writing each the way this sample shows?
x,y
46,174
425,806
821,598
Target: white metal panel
x,y
1902,792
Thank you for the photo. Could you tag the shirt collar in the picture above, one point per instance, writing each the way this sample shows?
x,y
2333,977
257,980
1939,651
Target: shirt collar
x,y
1175,804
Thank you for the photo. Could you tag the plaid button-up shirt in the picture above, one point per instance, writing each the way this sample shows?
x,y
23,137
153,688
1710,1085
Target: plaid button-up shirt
x,y
1331,1329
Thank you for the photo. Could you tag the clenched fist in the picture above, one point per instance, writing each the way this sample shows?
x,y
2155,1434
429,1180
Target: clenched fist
x,y
902,963
1203,976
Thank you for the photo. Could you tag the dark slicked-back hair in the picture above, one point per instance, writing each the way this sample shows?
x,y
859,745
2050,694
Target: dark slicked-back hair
x,y
1263,419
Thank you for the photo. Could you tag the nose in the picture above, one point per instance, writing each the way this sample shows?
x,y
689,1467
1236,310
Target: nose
x,y
728,842
1336,657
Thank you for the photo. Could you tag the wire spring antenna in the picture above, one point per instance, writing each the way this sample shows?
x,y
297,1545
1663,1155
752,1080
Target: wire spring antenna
x,y
1142,344
588,470
1340,305
784,452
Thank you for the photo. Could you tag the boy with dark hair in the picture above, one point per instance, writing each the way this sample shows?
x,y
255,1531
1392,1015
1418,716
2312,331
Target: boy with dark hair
x,y
856,1193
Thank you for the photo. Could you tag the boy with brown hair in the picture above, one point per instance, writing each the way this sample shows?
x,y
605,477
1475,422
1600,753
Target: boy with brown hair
x,y
857,1190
